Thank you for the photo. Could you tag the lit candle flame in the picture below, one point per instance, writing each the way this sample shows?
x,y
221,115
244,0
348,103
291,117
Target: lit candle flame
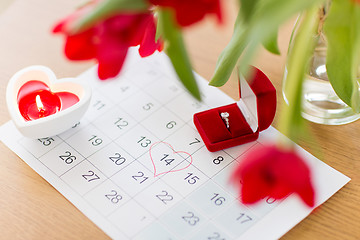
x,y
39,103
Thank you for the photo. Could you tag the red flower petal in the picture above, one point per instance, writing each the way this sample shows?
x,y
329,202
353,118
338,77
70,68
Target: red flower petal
x,y
307,194
127,28
270,171
110,69
80,46
59,27
108,40
63,25
188,12
148,44
111,58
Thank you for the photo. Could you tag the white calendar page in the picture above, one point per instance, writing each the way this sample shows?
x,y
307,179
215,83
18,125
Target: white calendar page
x,y
136,166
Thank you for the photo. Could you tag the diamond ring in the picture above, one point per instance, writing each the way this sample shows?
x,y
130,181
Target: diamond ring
x,y
225,118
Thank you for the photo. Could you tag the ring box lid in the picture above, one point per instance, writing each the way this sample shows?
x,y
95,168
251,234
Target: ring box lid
x,y
257,99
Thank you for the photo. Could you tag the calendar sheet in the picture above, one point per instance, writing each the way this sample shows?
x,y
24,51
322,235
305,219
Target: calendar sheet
x,y
136,166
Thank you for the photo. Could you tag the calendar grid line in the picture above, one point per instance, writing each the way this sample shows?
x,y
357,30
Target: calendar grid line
x,y
86,156
51,170
69,169
42,154
171,230
140,204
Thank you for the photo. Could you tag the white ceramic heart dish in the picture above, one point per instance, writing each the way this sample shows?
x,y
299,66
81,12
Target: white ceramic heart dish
x,y
52,124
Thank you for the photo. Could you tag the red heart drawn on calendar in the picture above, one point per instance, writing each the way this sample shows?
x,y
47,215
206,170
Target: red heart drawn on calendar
x,y
165,159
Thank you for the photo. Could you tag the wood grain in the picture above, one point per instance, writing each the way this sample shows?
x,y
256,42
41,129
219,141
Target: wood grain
x,y
33,209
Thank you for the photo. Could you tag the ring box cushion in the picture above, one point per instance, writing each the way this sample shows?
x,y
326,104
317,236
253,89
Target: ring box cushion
x,y
212,127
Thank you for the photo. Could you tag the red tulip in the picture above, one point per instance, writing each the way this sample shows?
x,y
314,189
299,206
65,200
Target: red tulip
x,y
188,12
108,40
270,171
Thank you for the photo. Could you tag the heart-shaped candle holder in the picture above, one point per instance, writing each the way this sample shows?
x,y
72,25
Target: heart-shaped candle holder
x,y
42,105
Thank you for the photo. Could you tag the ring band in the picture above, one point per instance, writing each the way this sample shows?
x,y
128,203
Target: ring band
x,y
225,118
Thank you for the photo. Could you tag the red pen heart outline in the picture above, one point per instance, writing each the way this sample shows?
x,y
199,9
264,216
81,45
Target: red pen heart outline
x,y
174,152
55,123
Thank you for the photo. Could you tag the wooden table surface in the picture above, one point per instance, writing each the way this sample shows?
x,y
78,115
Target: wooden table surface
x,y
30,208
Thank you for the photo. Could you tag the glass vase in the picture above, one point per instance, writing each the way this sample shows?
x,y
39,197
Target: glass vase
x,y
320,104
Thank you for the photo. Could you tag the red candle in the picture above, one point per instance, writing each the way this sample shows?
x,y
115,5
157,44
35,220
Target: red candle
x,y
35,100
39,104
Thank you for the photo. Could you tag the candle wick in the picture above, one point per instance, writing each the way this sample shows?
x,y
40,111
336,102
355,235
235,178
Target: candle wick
x,y
39,103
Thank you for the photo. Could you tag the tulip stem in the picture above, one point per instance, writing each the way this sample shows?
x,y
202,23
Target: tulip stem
x,y
302,45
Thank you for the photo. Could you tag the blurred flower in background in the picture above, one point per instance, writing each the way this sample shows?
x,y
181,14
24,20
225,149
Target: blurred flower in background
x,y
273,171
108,40
188,12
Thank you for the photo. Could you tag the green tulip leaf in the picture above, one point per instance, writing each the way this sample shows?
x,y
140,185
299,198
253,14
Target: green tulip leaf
x,y
261,28
175,49
229,56
271,43
304,42
342,32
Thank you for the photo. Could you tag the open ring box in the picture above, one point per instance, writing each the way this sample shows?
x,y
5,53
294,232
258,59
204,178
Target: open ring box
x,y
253,113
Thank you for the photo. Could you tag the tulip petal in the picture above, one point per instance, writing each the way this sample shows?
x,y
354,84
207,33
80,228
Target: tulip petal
x,y
188,12
80,46
148,44
111,68
273,172
108,40
111,58
307,194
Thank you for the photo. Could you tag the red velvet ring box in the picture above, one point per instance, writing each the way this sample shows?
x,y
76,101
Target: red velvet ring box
x,y
254,112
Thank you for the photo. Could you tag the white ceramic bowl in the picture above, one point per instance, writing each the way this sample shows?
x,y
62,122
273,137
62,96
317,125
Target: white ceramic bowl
x,y
53,124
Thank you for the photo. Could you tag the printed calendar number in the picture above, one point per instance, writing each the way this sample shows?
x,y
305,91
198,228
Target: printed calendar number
x,y
173,88
167,160
165,197
95,140
124,88
191,219
195,142
46,141
121,123
148,106
117,159
243,218
215,236
114,197
68,158
171,125
218,200
270,200
218,160
91,176
196,105
99,105
144,142
140,177
191,178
